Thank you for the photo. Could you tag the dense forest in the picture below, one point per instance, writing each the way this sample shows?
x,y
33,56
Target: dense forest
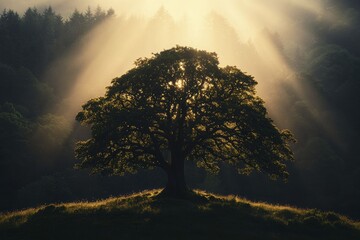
x,y
36,142
28,45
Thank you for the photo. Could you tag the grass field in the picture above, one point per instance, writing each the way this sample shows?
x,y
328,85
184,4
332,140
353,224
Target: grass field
x,y
147,216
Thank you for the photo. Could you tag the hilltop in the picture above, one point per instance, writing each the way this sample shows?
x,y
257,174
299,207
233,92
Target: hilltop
x,y
145,215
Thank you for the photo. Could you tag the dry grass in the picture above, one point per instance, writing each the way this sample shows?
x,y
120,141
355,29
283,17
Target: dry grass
x,y
204,216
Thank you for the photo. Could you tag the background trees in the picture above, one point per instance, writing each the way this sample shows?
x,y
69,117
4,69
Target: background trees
x,y
28,46
325,175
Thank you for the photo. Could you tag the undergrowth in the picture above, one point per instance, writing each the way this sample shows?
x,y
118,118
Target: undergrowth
x,y
145,215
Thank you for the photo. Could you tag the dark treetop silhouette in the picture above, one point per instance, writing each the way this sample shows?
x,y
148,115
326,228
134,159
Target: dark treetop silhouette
x,y
180,105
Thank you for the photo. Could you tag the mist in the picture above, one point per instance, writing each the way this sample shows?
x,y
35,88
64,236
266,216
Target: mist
x,y
260,37
303,54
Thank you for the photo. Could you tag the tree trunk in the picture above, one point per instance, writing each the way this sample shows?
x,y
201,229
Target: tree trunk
x,y
176,185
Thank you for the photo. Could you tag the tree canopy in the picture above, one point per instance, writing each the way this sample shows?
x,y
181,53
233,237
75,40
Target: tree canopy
x,y
34,48
180,105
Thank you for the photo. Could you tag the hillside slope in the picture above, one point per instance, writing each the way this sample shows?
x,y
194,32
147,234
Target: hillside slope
x,y
147,216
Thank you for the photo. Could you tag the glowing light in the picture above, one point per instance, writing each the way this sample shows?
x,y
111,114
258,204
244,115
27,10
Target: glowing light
x,y
179,83
254,35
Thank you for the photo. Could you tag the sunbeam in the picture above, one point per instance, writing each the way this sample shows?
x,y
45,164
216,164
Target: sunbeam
x,y
301,62
238,31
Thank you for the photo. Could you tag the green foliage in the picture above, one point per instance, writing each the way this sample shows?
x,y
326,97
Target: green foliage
x,y
37,38
324,175
14,129
31,141
14,138
334,69
181,101
21,87
204,216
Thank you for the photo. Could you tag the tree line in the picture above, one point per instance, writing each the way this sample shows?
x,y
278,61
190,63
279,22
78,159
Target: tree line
x,y
324,175
28,45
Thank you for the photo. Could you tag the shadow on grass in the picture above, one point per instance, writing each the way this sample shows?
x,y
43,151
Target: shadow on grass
x,y
201,216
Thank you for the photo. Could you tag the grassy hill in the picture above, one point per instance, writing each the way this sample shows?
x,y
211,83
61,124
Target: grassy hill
x,y
148,216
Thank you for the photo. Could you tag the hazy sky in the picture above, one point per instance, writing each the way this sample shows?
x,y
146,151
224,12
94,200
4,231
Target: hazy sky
x,y
145,7
148,7
243,33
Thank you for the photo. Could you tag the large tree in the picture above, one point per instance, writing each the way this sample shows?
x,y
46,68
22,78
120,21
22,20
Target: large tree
x,y
180,105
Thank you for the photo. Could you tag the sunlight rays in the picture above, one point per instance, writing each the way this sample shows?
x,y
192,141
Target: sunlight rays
x,y
111,48
257,36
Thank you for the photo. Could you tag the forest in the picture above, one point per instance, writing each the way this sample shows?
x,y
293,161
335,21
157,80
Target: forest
x,y
37,139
